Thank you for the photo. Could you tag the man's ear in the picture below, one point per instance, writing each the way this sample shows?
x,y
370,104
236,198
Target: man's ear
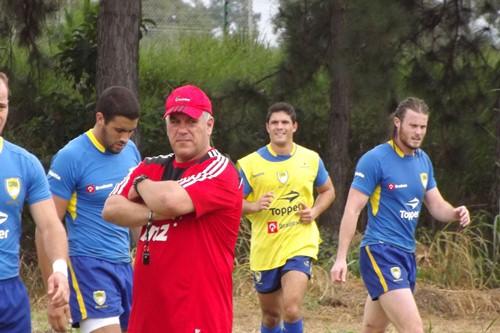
x,y
397,122
210,125
99,119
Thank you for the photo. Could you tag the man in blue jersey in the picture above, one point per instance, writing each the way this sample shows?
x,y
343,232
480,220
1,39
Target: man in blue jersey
x,y
279,183
394,179
23,181
81,176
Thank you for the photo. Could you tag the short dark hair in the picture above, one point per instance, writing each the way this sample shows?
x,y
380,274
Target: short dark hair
x,y
282,107
118,101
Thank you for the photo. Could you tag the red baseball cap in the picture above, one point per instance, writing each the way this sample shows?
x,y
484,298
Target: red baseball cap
x,y
189,100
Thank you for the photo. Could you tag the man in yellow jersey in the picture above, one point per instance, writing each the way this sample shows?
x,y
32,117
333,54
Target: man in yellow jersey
x,y
279,181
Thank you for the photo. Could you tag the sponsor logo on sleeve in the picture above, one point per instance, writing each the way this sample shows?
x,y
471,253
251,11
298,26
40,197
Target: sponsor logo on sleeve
x,y
359,174
53,174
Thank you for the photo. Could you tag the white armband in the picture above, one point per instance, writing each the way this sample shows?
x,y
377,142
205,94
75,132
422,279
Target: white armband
x,y
60,265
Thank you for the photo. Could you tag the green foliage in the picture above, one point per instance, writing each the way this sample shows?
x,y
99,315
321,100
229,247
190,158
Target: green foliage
x,y
231,71
47,113
23,21
78,56
388,59
454,67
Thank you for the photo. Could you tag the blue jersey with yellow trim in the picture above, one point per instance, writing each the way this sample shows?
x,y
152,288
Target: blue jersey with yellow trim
x,y
84,173
22,180
277,235
396,184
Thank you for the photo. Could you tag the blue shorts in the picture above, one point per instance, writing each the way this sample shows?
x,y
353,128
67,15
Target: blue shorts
x,y
384,267
14,307
270,280
99,289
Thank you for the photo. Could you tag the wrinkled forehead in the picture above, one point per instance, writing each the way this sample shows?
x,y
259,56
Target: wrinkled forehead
x,y
183,117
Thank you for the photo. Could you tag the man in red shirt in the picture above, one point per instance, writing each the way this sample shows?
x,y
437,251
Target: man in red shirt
x,y
189,204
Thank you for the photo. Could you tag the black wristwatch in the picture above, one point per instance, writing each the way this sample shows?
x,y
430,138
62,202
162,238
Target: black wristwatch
x,y
136,182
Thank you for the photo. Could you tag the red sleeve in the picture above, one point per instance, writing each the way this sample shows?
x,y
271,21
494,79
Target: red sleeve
x,y
220,189
124,186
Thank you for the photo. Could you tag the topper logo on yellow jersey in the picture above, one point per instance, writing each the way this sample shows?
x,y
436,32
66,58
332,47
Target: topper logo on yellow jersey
x,y
290,196
285,210
272,227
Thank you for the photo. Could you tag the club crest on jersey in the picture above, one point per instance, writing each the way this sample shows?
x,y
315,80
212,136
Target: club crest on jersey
x,y
13,187
396,272
99,297
272,227
90,188
282,176
424,178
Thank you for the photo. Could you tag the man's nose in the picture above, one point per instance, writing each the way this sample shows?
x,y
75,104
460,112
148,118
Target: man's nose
x,y
125,136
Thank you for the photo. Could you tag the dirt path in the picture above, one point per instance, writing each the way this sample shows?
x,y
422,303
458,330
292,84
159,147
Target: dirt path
x,y
330,309
325,319
340,310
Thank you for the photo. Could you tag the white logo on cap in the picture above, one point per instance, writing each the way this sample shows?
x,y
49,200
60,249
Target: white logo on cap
x,y
182,99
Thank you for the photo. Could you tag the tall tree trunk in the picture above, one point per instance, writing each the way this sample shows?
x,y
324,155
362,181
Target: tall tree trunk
x,y
340,119
496,187
118,44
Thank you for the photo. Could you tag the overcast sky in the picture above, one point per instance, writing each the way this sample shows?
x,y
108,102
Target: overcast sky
x,y
267,9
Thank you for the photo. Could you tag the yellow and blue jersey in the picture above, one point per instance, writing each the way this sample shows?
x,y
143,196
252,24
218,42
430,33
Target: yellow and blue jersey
x,y
84,173
23,181
277,233
396,184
